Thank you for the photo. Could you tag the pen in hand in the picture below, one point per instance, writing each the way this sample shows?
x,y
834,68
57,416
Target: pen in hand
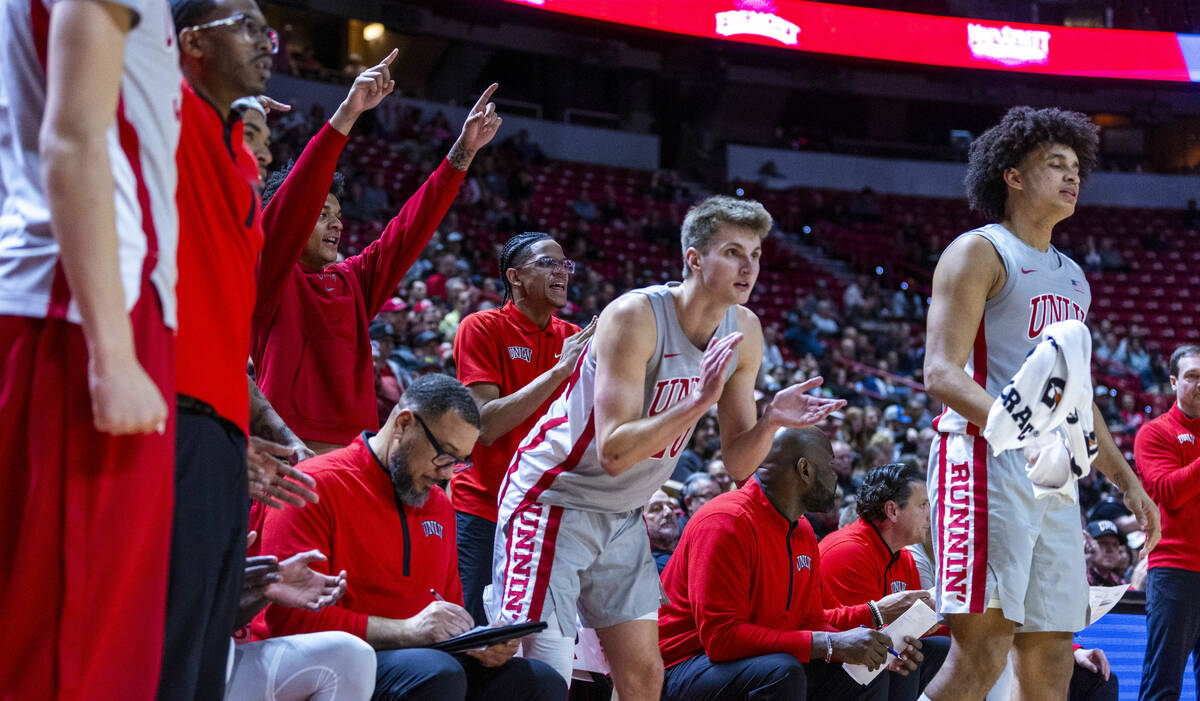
x,y
435,594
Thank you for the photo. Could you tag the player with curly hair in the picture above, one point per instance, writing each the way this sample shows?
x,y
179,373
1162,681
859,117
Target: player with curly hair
x,y
1010,569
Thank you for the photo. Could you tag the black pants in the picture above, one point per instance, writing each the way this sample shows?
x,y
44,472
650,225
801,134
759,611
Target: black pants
x,y
775,677
208,555
420,674
1172,631
476,538
1092,686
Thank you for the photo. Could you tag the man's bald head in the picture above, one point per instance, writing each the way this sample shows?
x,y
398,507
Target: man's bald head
x,y
801,462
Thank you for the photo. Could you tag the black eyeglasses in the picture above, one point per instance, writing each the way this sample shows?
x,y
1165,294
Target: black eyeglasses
x,y
552,264
443,459
252,28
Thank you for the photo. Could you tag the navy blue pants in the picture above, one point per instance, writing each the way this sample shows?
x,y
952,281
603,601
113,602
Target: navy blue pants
x,y
475,541
778,676
421,674
1172,632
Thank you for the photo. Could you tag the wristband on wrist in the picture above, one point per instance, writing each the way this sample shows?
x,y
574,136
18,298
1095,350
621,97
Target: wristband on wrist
x,y
828,648
875,615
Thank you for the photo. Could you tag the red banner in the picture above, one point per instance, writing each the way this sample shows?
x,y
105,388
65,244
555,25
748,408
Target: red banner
x,y
902,36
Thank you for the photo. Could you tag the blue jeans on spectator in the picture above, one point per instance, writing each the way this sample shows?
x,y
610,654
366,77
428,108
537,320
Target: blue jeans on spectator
x,y
421,674
1172,631
476,538
774,677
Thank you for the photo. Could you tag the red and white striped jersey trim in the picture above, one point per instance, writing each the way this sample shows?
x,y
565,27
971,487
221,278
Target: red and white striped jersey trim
x,y
141,148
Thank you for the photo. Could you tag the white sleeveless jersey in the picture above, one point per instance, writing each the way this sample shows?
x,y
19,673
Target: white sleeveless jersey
x,y
141,148
557,463
1042,288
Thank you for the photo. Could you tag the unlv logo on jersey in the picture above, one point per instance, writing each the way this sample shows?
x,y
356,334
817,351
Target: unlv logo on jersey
x,y
1048,309
667,393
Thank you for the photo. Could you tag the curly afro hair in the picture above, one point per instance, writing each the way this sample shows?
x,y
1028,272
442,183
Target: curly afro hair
x,y
337,188
890,482
1019,132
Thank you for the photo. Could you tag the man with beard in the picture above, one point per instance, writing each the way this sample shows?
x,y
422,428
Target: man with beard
x,y
514,360
745,618
662,524
384,517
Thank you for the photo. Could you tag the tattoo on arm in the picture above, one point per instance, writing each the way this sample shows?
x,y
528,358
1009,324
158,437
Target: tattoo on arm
x,y
264,422
460,157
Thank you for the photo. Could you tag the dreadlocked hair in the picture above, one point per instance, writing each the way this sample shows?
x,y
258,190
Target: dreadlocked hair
x,y
514,254
1004,146
337,187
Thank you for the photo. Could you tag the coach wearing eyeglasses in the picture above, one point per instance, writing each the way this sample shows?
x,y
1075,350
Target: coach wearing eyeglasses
x,y
383,517
515,361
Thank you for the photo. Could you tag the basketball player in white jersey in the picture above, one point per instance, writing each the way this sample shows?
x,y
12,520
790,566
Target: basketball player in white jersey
x,y
570,538
1010,567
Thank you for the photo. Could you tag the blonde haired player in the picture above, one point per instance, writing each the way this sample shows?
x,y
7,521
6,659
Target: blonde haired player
x,y
570,539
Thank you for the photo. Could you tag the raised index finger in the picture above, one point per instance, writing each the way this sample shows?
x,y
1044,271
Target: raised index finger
x,y
390,57
483,99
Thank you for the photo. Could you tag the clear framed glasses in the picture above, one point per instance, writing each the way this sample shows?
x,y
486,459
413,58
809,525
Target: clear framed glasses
x,y
252,28
443,459
552,264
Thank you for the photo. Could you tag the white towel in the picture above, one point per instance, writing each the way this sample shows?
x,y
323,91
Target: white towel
x,y
1046,410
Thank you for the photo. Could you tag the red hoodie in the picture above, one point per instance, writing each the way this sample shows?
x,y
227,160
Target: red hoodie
x,y
1168,459
744,582
311,351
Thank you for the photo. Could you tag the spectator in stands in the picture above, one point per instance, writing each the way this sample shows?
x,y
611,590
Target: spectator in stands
x,y
375,203
446,268
662,524
801,336
745,616
1110,258
324,666
611,211
824,319
383,517
772,356
322,381
868,559
843,466
1133,354
448,326
716,469
584,208
514,360
1167,453
698,490
1132,416
703,445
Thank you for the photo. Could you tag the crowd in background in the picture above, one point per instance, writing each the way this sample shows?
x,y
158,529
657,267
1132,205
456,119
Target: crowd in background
x,y
865,339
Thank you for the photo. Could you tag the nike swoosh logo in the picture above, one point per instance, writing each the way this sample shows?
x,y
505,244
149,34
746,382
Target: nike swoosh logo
x,y
670,355
557,355
1027,271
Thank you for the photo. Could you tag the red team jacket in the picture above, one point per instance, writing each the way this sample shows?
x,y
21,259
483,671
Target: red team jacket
x,y
311,350
503,347
220,237
857,566
394,554
744,582
1168,460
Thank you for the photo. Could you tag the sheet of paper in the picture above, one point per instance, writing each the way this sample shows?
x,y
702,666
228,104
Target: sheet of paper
x,y
1101,600
914,622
